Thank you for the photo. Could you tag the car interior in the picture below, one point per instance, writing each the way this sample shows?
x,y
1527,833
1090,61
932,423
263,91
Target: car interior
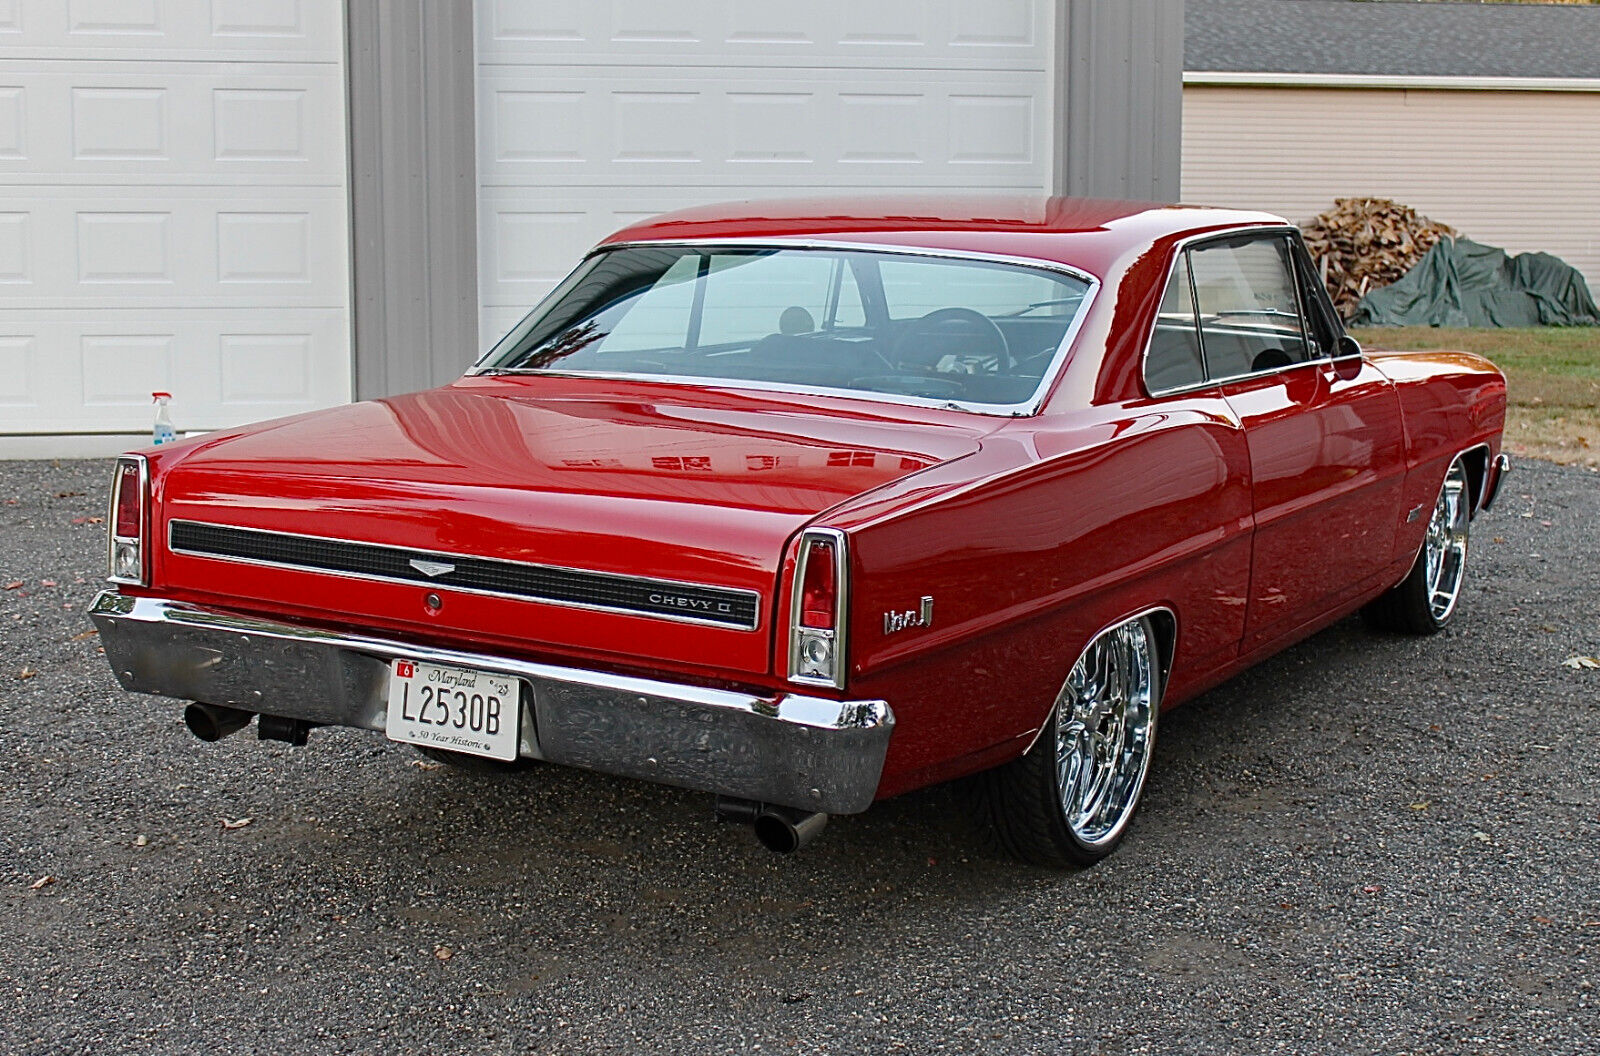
x,y
956,330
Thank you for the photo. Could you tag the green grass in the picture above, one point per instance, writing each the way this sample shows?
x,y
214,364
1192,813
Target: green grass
x,y
1552,377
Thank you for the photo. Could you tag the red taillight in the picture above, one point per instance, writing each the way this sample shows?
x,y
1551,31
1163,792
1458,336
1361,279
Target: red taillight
x,y
126,523
818,603
125,559
818,590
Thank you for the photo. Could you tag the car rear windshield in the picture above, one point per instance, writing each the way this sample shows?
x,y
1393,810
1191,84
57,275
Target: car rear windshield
x,y
974,333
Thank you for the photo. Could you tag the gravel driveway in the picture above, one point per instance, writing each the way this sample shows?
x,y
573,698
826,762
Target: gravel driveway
x,y
1367,844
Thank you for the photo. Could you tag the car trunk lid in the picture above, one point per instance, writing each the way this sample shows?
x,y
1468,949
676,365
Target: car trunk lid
x,y
637,522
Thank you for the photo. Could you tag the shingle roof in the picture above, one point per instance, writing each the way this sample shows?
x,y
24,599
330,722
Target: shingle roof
x,y
1394,38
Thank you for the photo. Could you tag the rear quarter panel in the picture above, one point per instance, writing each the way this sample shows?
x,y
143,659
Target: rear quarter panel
x,y
1077,522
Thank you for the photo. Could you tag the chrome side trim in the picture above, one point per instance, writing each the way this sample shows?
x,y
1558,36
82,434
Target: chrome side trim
x,y
793,750
1025,409
372,577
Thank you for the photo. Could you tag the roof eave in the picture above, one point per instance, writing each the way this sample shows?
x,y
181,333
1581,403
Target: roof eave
x,y
1244,79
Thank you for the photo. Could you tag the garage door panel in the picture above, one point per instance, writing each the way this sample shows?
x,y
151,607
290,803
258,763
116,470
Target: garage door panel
x,y
766,33
961,129
174,123
171,247
62,372
144,30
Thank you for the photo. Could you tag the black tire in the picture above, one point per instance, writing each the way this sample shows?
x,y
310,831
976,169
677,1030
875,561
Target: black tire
x,y
475,764
1019,807
1415,605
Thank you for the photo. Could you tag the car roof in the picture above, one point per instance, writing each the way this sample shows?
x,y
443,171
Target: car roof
x,y
1088,233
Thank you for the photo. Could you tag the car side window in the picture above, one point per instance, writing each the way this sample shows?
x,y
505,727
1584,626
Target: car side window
x,y
1173,360
1249,306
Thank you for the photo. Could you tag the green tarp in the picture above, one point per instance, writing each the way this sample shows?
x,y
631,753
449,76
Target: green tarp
x,y
1464,283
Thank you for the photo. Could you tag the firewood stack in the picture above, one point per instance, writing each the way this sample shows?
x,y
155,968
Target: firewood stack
x,y
1364,243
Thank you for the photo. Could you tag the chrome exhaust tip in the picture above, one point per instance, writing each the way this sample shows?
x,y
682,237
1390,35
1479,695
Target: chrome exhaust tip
x,y
212,722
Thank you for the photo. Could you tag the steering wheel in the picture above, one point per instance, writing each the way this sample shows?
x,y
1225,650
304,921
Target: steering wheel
x,y
960,332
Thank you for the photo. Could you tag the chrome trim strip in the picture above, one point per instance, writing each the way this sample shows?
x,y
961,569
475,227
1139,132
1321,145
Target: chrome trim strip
x,y
373,577
1026,409
112,538
841,607
793,750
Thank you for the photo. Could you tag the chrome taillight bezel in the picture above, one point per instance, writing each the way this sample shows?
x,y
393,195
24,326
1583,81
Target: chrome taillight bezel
x,y
836,637
117,544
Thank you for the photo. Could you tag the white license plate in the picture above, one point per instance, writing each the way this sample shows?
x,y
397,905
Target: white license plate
x,y
455,708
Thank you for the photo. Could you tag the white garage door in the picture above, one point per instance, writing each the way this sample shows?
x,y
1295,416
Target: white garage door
x,y
172,212
592,115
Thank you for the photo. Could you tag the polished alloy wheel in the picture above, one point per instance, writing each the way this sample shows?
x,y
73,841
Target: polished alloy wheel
x,y
1445,549
1105,729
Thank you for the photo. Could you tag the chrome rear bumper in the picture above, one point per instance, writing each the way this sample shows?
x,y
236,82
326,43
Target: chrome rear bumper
x,y
785,749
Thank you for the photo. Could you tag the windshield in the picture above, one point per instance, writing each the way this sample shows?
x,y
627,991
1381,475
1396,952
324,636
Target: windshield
x,y
969,332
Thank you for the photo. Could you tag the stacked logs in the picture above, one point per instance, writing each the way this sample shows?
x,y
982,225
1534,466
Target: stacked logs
x,y
1364,243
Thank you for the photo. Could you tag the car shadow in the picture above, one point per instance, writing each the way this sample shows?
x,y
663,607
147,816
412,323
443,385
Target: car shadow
x,y
521,856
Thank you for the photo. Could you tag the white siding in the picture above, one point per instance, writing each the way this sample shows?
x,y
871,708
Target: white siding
x,y
591,116
1509,168
172,212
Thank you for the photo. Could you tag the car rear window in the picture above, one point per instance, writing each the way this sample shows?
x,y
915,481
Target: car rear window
x,y
970,332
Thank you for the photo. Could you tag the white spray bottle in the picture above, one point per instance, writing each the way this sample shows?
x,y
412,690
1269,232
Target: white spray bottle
x,y
163,433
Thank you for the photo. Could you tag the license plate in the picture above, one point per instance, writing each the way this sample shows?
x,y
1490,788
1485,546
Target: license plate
x,y
455,708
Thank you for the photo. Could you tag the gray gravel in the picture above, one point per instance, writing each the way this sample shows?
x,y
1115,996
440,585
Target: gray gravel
x,y
1367,844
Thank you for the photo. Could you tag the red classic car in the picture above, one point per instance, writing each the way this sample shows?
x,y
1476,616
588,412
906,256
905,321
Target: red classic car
x,y
808,504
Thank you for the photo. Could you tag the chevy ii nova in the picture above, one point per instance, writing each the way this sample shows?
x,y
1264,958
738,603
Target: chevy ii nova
x,y
809,504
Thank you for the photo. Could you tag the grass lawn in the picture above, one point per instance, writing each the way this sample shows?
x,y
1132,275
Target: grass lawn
x,y
1552,374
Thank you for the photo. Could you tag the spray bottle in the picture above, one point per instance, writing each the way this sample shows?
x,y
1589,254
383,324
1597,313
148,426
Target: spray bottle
x,y
163,433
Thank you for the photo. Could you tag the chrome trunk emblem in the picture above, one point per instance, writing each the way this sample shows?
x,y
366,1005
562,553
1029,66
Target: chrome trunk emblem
x,y
908,618
432,569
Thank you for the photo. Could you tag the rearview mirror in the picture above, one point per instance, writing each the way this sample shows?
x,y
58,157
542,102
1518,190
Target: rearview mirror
x,y
1347,347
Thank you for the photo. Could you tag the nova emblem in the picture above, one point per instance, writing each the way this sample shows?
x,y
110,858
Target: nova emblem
x,y
432,569
904,620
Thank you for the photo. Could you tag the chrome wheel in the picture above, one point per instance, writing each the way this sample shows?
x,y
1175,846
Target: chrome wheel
x,y
1105,723
1445,549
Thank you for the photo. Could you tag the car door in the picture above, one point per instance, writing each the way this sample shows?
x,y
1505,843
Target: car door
x,y
1322,428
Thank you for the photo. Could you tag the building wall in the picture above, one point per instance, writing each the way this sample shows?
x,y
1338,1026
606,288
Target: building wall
x,y
1509,168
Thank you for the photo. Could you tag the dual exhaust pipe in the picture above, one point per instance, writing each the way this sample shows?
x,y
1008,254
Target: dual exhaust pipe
x,y
212,722
782,830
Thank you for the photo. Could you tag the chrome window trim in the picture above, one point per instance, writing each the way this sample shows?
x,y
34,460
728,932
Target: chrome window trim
x,y
841,607
1180,253
1025,409
112,538
372,577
